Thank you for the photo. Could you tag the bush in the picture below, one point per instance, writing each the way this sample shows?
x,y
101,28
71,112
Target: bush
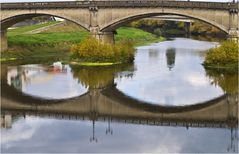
x,y
225,55
91,50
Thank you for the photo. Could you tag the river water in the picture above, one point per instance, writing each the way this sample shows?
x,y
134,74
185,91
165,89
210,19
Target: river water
x,y
164,102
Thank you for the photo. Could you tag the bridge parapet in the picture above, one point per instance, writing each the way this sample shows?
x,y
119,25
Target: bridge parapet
x,y
124,3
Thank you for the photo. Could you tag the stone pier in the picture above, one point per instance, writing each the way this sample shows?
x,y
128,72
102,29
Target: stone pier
x,y
105,37
233,35
4,44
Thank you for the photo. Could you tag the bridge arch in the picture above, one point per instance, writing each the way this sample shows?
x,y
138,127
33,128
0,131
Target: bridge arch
x,y
114,24
11,20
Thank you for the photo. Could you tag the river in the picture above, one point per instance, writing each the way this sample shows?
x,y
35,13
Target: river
x,y
164,102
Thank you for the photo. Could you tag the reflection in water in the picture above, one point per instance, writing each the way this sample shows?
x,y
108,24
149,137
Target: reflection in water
x,y
153,119
63,81
156,82
153,54
51,82
100,77
91,121
226,80
170,55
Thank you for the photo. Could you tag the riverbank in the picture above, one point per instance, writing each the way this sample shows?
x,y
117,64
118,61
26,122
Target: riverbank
x,y
57,42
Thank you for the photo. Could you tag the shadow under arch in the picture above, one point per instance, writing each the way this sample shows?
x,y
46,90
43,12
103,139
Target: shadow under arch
x,y
119,22
10,21
114,94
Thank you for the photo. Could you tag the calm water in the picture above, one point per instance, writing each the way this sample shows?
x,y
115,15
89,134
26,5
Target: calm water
x,y
164,102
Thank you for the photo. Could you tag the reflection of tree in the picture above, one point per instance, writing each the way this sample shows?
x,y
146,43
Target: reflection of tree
x,y
170,55
98,77
227,81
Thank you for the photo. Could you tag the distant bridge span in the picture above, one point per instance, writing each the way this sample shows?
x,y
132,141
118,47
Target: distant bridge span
x,y
102,18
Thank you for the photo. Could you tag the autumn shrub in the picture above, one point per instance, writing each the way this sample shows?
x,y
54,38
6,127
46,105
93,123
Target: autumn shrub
x,y
91,50
224,55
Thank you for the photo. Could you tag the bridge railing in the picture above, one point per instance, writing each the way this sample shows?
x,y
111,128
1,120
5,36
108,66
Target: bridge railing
x,y
124,3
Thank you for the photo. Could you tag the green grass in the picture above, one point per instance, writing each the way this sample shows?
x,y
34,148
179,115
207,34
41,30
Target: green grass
x,y
49,39
136,35
46,39
7,59
65,27
21,30
32,53
54,44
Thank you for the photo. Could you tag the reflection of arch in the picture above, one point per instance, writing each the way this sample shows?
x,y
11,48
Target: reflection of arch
x,y
112,94
219,113
15,95
118,22
8,22
116,95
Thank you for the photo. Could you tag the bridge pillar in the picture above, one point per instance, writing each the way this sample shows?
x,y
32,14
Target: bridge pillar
x,y
105,37
187,26
233,35
4,44
233,25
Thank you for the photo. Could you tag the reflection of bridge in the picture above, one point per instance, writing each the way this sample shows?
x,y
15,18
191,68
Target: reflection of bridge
x,y
221,112
102,18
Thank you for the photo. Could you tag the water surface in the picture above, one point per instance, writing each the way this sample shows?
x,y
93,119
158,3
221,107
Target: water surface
x,y
164,102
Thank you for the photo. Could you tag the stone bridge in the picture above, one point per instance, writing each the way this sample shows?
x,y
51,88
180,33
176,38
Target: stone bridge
x,y
102,18
110,103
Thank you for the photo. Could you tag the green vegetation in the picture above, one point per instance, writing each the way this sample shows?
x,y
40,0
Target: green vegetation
x,y
45,45
65,27
137,36
91,64
65,36
69,33
21,30
91,50
32,54
223,57
7,59
56,42
175,28
200,28
47,39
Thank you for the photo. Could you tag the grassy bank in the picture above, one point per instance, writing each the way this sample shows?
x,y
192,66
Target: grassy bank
x,y
67,35
22,30
46,39
56,42
138,36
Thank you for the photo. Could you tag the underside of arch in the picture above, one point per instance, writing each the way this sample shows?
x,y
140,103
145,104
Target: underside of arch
x,y
10,21
120,22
